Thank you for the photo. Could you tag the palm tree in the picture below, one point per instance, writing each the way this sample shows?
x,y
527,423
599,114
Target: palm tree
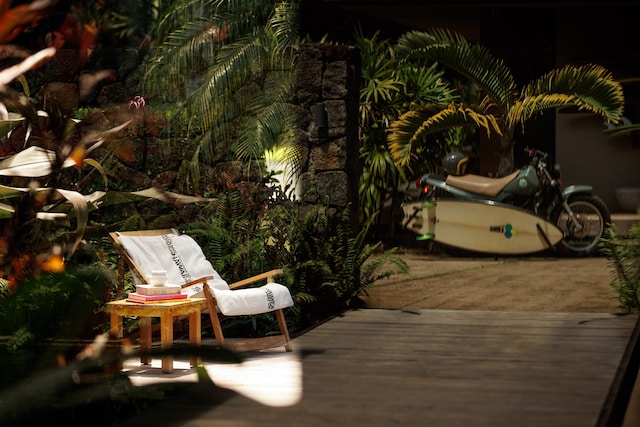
x,y
232,64
502,107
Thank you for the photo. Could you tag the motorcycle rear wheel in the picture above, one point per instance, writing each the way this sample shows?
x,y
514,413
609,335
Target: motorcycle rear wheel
x,y
593,214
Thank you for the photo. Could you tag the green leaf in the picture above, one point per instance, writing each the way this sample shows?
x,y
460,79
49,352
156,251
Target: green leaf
x,y
118,197
6,211
8,192
100,169
9,124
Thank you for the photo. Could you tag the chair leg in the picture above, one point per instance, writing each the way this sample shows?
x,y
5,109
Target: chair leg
x,y
217,327
213,314
283,329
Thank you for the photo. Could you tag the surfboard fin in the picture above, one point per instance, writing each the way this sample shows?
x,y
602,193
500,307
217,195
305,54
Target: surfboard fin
x,y
544,235
426,237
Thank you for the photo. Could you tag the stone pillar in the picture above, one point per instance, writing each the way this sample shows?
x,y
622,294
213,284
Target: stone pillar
x,y
328,95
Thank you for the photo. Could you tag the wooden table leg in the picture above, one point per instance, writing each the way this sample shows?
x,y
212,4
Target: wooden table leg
x,y
166,341
115,330
120,309
195,335
115,325
145,340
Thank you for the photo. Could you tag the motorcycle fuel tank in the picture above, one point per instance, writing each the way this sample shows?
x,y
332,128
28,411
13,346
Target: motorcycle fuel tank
x,y
525,183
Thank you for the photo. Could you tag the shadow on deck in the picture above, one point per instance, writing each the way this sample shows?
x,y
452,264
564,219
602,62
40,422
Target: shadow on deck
x,y
378,367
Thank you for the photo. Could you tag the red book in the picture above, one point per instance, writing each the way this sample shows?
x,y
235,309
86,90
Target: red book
x,y
139,298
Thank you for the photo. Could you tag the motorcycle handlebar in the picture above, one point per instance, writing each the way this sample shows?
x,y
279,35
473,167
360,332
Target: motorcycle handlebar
x,y
535,153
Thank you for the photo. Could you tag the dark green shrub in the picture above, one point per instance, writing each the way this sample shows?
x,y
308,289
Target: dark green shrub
x,y
332,264
327,265
624,255
49,315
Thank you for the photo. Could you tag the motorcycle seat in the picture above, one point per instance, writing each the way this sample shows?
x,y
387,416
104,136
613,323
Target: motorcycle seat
x,y
479,184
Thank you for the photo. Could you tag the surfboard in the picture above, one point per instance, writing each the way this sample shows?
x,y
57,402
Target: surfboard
x,y
481,226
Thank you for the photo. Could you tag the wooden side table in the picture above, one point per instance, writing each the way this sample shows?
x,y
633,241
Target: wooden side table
x,y
166,311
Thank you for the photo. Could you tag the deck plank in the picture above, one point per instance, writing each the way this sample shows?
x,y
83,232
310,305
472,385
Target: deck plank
x,y
435,368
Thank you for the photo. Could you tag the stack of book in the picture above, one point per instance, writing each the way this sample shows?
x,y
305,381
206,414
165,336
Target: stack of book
x,y
146,294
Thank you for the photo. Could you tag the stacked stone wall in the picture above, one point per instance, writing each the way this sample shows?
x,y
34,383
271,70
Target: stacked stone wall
x,y
328,94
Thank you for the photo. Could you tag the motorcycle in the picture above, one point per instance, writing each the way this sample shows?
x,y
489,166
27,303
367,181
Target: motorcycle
x,y
526,211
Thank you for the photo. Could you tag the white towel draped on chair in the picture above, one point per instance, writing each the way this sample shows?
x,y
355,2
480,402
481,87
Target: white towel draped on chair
x,y
183,260
240,302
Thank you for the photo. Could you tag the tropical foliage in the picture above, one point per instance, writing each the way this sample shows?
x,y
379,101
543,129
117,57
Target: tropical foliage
x,y
64,305
238,63
230,64
42,182
333,265
502,107
389,88
14,19
327,265
53,285
623,253
245,231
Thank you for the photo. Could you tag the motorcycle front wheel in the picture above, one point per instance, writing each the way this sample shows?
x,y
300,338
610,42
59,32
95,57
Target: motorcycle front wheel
x,y
593,217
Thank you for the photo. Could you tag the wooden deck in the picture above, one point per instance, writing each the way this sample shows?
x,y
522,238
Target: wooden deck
x,y
440,368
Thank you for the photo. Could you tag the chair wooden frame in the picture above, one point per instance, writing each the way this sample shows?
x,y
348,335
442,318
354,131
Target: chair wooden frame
x,y
246,344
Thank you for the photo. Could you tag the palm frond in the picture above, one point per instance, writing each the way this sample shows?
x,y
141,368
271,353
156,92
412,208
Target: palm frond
x,y
186,51
219,83
526,108
592,88
237,15
231,62
175,16
473,61
426,85
411,128
268,121
378,90
283,26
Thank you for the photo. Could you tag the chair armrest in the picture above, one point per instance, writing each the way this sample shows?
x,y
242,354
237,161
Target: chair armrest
x,y
193,282
269,275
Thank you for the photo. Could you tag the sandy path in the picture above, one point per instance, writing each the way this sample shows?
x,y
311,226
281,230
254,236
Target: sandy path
x,y
505,284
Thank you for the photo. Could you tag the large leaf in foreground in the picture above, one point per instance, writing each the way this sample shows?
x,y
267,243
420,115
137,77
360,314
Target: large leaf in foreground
x,y
32,162
116,197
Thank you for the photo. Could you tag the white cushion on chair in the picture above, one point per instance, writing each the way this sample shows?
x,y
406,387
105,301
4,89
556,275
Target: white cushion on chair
x,y
240,302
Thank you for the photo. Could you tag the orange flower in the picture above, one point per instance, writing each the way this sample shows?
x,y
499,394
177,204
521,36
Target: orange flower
x,y
77,155
54,263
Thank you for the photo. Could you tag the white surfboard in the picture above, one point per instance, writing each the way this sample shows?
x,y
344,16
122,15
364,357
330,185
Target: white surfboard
x,y
481,226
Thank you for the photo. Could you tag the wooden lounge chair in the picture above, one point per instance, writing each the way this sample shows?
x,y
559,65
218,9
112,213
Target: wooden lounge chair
x,y
147,250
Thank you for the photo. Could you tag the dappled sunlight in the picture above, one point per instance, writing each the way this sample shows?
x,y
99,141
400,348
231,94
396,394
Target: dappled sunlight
x,y
273,378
